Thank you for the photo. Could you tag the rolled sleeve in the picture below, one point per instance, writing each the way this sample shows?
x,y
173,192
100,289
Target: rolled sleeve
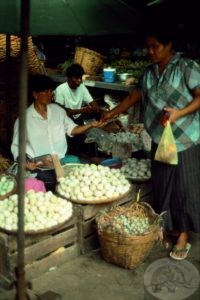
x,y
192,75
69,126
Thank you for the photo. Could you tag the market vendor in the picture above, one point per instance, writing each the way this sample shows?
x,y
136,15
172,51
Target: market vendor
x,y
170,88
75,98
47,127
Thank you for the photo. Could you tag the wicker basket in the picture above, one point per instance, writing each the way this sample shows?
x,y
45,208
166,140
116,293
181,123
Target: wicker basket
x,y
35,65
14,190
91,61
14,46
128,251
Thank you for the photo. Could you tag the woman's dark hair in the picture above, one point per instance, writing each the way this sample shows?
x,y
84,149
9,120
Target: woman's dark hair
x,y
75,70
40,82
164,33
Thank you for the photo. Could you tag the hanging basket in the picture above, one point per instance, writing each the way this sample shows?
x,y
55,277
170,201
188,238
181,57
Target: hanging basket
x,y
35,65
91,61
127,250
14,46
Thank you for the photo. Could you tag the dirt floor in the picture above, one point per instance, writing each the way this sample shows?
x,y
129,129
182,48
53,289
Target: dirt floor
x,y
90,277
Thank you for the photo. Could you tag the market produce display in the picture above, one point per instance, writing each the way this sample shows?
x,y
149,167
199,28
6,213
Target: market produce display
x,y
93,184
134,68
127,233
127,136
137,169
133,220
131,225
7,184
42,212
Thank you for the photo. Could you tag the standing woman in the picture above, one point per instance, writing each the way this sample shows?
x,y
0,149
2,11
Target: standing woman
x,y
171,84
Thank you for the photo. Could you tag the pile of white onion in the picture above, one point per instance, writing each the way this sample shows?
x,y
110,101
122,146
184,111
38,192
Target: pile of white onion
x,y
6,184
41,211
93,183
128,137
136,168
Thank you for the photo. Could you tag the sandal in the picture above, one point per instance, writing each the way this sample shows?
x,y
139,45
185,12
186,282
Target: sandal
x,y
183,251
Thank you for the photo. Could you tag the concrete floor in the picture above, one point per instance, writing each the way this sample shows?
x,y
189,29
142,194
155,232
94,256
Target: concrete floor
x,y
90,277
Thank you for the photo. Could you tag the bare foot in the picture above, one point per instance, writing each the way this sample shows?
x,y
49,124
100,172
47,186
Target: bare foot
x,y
181,248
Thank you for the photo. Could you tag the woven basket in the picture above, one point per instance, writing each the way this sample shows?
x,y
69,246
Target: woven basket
x,y
14,190
91,61
14,46
35,65
128,251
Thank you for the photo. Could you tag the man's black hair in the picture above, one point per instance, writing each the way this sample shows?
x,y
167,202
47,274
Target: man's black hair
x,y
75,70
40,82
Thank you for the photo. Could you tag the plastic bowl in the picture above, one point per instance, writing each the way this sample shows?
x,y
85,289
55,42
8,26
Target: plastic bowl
x,y
124,76
112,163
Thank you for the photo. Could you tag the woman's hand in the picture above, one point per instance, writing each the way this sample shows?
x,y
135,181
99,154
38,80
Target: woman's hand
x,y
98,124
106,115
171,115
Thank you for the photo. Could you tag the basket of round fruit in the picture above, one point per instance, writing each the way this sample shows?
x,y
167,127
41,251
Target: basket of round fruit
x,y
127,233
43,213
8,185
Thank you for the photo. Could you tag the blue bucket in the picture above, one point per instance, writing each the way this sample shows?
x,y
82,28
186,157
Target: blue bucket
x,y
109,75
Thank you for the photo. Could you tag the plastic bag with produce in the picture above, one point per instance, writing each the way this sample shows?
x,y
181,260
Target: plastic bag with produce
x,y
167,151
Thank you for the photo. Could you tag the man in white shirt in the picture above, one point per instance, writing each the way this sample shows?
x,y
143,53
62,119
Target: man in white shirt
x,y
73,94
75,98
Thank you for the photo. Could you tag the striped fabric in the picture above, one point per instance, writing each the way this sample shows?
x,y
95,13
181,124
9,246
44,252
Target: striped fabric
x,y
177,190
173,88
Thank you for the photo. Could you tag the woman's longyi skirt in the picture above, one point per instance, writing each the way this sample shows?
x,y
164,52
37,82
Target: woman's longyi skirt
x,y
177,190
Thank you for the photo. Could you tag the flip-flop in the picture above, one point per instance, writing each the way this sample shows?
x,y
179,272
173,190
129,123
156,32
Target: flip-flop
x,y
183,251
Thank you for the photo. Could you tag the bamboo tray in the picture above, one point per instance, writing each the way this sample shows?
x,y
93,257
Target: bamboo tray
x,y
40,231
99,201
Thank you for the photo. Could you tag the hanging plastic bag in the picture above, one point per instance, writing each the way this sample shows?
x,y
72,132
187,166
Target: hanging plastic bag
x,y
167,151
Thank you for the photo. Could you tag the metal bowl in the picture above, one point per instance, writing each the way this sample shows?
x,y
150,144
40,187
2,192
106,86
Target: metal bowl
x,y
124,76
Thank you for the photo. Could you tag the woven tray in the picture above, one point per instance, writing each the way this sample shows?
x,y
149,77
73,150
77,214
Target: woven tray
x,y
41,231
100,201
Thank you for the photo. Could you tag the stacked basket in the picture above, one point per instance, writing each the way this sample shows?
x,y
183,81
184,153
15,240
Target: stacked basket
x,y
91,61
125,249
35,65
